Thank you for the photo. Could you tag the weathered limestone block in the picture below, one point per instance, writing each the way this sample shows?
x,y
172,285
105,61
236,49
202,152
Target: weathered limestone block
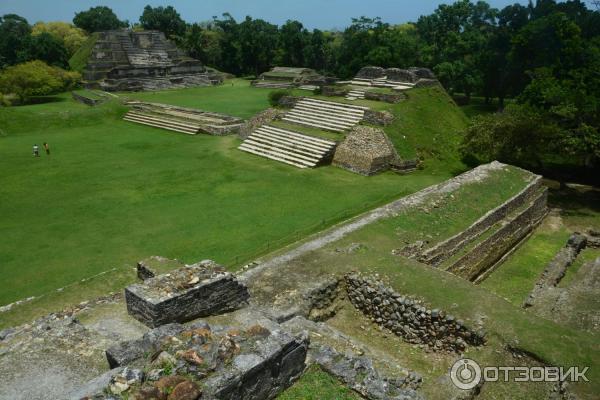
x,y
365,150
408,317
371,73
187,293
401,75
382,118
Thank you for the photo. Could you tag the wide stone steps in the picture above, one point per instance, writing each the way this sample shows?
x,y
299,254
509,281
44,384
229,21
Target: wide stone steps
x,y
332,116
287,146
273,85
163,123
355,94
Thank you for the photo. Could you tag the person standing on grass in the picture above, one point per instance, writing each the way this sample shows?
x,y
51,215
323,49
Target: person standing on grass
x,y
36,150
47,148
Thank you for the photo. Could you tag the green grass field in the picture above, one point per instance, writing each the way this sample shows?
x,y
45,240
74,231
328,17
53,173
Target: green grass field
x,y
113,192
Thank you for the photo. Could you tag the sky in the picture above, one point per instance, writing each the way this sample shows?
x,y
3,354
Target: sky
x,y
321,14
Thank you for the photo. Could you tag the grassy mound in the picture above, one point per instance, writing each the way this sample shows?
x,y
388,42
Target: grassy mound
x,y
79,60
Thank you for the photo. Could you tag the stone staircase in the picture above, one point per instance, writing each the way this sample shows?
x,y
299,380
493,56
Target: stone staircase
x,y
355,94
272,85
288,147
162,122
327,115
144,57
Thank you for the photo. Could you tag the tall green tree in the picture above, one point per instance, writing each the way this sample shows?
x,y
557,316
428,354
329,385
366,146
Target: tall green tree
x,y
164,19
14,36
99,18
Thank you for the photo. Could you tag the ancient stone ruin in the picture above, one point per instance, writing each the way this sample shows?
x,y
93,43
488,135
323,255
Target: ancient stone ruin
x,y
395,78
123,60
366,151
182,119
408,317
290,77
187,293
199,360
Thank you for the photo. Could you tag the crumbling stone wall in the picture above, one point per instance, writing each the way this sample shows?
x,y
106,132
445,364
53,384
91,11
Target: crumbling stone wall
x,y
446,249
556,269
485,254
381,118
200,361
365,150
187,293
409,318
260,119
392,98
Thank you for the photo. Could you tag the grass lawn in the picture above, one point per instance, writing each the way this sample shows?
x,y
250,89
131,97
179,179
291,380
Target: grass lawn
x,y
114,192
514,279
316,384
235,97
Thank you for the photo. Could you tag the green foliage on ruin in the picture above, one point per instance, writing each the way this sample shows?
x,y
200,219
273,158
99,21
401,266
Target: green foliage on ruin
x,y
79,60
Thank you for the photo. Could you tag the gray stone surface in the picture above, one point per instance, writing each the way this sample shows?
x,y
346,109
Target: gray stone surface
x,y
184,294
260,119
408,317
219,362
382,118
146,60
366,151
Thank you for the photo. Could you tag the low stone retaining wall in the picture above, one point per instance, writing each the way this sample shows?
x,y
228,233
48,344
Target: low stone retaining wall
x,y
557,268
333,91
409,318
485,254
86,100
446,249
392,98
187,293
289,101
382,118
260,119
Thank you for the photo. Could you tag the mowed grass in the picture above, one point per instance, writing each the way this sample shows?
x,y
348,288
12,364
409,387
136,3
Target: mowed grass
x,y
235,97
316,384
113,192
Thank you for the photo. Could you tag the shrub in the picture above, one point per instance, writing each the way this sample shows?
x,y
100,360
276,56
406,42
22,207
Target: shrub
x,y
276,95
36,78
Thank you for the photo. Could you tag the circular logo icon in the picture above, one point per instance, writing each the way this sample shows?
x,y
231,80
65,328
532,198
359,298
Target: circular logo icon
x,y
465,374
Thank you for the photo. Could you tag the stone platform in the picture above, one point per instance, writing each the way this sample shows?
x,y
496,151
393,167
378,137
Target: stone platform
x,y
185,294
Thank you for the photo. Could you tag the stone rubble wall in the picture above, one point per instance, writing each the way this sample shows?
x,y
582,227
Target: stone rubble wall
x,y
485,254
557,268
86,100
260,119
409,318
446,249
392,98
381,118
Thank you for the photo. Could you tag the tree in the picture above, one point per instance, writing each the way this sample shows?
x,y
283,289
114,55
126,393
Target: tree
x,y
164,19
257,44
97,19
71,36
292,40
14,34
47,48
36,78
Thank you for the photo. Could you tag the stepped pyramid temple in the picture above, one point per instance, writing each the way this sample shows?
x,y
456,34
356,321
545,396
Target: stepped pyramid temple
x,y
123,60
